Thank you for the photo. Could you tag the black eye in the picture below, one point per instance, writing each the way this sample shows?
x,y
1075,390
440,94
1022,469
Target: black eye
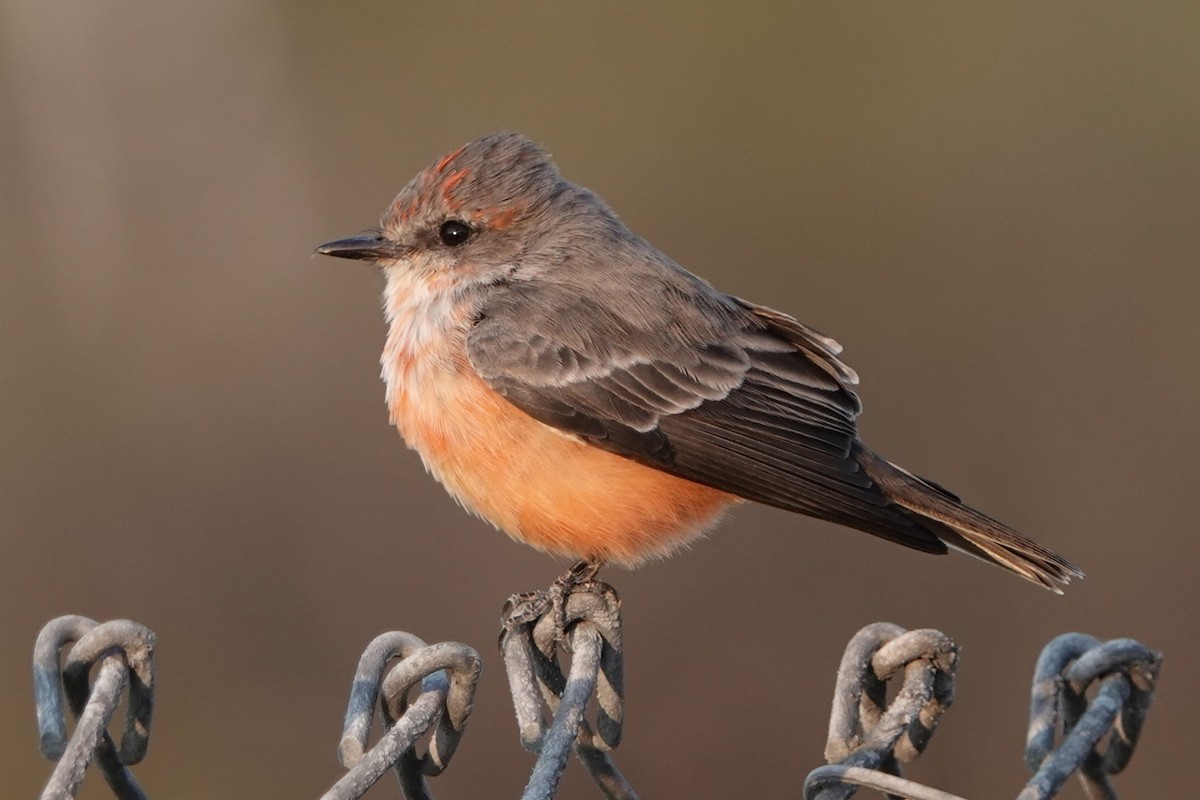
x,y
453,232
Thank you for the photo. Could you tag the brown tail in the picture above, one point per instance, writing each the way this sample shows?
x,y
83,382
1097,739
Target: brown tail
x,y
966,529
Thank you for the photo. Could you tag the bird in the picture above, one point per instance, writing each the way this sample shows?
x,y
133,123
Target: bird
x,y
572,385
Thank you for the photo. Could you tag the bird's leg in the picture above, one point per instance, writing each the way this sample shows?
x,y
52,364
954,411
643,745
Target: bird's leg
x,y
529,607
581,575
581,572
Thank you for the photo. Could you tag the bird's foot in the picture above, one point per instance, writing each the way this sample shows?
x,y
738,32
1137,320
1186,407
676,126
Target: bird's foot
x,y
528,607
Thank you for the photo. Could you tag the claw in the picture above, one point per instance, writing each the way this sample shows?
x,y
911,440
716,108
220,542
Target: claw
x,y
528,607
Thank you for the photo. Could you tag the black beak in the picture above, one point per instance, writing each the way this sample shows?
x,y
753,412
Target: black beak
x,y
364,247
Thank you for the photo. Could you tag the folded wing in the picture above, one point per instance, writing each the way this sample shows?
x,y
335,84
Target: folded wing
x,y
712,389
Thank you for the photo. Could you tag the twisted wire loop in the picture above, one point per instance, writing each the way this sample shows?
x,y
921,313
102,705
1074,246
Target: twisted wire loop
x,y
1125,672
124,651
869,738
446,672
589,623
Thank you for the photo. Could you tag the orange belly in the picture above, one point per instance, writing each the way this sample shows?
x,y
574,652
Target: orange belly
x,y
540,486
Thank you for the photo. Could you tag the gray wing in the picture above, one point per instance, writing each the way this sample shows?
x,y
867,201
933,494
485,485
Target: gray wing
x,y
698,384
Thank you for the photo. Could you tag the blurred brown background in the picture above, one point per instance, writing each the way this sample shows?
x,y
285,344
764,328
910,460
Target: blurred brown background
x,y
995,211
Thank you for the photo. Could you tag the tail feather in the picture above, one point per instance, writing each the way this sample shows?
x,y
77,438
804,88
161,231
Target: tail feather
x,y
965,529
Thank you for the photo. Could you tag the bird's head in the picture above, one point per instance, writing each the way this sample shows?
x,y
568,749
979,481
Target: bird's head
x,y
469,217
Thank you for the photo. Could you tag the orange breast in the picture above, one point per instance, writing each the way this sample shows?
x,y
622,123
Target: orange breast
x,y
540,486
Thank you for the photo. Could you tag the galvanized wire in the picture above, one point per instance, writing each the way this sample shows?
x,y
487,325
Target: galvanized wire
x,y
868,738
866,733
447,673
1126,672
893,785
125,652
588,619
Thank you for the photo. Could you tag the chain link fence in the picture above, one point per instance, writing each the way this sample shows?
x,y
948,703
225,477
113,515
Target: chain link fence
x,y
1089,703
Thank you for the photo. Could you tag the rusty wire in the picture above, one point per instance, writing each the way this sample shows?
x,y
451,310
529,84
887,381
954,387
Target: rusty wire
x,y
590,626
1126,672
447,673
869,739
125,652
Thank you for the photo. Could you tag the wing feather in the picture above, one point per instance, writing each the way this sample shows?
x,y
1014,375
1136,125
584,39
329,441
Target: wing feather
x,y
725,393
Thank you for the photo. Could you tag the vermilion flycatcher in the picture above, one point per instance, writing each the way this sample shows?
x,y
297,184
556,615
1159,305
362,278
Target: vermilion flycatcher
x,y
584,393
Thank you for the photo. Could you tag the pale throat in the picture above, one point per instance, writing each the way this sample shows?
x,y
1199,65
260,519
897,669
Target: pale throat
x,y
427,327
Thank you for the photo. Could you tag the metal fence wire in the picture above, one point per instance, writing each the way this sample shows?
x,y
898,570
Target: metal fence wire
x,y
590,628
446,672
867,736
1125,673
567,657
125,652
